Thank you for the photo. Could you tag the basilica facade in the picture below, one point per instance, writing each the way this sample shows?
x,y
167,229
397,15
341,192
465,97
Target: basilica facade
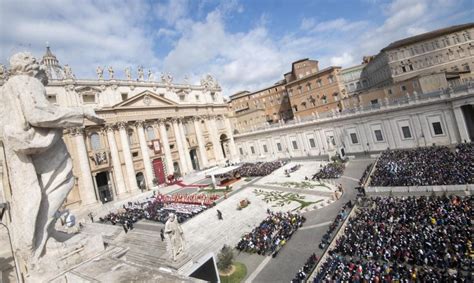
x,y
154,128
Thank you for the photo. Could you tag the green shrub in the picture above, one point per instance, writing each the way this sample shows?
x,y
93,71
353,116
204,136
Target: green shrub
x,y
225,258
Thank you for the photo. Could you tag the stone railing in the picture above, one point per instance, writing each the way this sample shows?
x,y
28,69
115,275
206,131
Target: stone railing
x,y
420,190
387,103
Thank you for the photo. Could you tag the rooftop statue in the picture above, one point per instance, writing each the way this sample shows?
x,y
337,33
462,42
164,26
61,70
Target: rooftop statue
x,y
100,73
166,78
128,73
111,72
141,74
38,162
68,72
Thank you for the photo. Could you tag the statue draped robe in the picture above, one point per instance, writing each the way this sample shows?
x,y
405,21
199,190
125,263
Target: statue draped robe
x,y
39,165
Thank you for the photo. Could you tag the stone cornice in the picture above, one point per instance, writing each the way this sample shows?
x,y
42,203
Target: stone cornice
x,y
129,83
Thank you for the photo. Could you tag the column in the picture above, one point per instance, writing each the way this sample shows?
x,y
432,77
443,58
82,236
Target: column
x,y
166,147
187,155
127,156
233,150
200,140
146,156
451,126
459,117
212,130
117,165
179,144
86,188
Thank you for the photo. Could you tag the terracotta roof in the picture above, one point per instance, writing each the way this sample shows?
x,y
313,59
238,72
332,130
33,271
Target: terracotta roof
x,y
426,36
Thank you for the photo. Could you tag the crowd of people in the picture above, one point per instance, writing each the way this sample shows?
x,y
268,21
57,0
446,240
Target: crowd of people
x,y
332,170
405,239
327,237
271,234
157,209
257,169
307,268
366,173
435,165
201,199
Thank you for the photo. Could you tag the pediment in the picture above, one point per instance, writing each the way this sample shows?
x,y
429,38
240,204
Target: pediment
x,y
84,89
145,99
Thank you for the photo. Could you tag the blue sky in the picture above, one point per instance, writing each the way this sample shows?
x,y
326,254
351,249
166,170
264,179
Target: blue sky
x,y
245,44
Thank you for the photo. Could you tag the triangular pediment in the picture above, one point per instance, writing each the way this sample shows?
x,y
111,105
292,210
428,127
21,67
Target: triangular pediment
x,y
145,99
83,89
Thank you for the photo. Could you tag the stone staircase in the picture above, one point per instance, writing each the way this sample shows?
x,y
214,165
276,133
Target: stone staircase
x,y
109,232
146,248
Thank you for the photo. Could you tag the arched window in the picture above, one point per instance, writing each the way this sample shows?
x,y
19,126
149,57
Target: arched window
x,y
150,133
95,141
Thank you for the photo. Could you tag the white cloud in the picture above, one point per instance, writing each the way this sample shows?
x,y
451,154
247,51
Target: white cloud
x,y
345,59
80,33
172,11
123,33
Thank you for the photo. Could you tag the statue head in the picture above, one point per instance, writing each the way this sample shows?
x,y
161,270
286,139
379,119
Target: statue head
x,y
23,63
171,217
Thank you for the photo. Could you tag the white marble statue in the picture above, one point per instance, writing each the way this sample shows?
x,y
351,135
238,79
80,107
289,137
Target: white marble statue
x,y
166,78
128,73
151,77
141,74
3,72
39,165
209,82
175,234
111,72
68,72
100,73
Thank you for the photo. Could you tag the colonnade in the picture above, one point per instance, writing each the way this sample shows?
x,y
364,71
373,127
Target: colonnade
x,y
125,181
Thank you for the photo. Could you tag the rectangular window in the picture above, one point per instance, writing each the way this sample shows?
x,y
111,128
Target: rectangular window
x,y
389,91
252,150
241,151
265,148
279,146
312,143
403,88
88,98
354,138
124,96
406,132
295,145
52,98
374,102
438,130
378,135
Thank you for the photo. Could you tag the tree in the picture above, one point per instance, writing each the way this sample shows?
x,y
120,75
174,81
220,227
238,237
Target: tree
x,y
225,258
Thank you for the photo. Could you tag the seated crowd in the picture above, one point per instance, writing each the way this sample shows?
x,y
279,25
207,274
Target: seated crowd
x,y
436,165
425,239
158,209
312,261
332,170
271,234
253,169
